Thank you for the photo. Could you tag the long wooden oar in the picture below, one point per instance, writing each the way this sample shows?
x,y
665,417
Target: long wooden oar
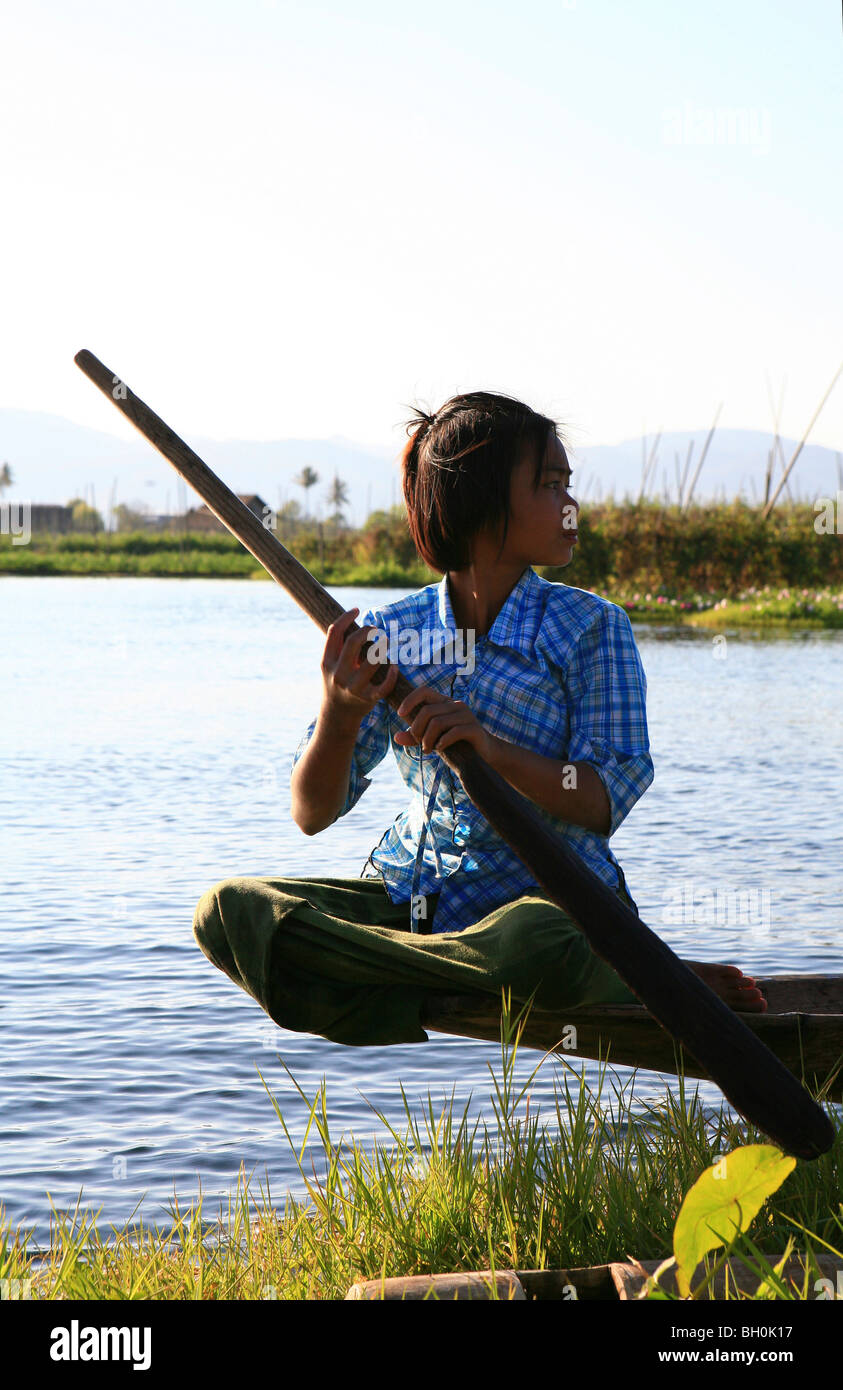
x,y
752,1079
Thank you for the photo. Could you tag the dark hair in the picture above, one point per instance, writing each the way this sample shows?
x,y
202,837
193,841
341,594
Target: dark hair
x,y
456,471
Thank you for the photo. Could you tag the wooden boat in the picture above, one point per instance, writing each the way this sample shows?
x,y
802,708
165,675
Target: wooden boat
x,y
803,1027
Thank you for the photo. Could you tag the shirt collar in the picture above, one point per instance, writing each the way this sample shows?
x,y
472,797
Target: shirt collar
x,y
517,623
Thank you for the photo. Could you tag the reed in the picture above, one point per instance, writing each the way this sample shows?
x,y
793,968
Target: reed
x,y
593,1177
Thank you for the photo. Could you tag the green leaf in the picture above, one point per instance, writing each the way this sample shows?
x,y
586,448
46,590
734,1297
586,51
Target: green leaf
x,y
723,1203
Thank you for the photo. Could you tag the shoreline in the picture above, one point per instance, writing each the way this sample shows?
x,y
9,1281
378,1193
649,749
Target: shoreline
x,y
770,607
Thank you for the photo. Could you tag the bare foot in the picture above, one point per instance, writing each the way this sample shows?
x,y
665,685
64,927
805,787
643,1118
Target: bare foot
x,y
737,990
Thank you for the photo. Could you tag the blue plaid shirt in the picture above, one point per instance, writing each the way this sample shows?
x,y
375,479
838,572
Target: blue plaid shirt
x,y
559,673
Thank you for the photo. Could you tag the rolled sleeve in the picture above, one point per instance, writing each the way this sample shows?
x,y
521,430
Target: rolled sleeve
x,y
608,716
370,749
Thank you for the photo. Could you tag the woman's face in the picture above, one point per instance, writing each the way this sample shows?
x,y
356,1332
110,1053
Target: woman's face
x,y
542,526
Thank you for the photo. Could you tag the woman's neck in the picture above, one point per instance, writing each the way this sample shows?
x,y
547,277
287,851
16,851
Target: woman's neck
x,y
479,592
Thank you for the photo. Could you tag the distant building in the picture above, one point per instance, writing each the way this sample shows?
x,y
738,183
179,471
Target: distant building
x,y
46,517
203,519
57,520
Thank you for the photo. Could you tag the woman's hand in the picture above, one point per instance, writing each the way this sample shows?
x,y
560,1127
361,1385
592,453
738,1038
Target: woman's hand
x,y
347,673
440,722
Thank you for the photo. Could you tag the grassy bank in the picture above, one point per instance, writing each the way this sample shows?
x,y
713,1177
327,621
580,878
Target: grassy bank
x,y
601,1178
717,566
764,607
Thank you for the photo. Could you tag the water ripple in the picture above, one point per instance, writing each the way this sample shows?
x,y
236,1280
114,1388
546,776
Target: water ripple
x,y
146,741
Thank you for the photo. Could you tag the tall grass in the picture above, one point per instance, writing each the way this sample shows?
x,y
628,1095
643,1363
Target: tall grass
x,y
598,1177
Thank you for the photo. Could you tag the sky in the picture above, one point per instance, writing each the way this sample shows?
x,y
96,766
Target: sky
x,y
297,220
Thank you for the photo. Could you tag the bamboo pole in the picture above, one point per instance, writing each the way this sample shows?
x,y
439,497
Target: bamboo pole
x,y
688,457
800,446
648,465
690,492
755,1082
768,475
783,462
776,412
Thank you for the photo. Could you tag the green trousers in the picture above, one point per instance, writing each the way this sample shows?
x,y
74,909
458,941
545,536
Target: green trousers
x,y
335,956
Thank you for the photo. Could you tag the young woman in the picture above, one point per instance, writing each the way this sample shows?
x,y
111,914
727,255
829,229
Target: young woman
x,y
553,697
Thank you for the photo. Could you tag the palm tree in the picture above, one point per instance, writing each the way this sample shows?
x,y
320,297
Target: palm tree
x,y
6,477
307,479
338,498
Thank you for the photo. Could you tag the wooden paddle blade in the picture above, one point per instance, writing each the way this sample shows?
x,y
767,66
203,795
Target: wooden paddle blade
x,y
756,1083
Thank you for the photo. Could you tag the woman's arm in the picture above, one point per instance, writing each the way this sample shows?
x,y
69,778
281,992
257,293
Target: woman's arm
x,y
608,766
574,792
319,783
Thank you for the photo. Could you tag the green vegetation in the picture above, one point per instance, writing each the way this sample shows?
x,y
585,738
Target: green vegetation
x,y
129,553
720,565
595,1179
767,607
722,1205
722,548
85,517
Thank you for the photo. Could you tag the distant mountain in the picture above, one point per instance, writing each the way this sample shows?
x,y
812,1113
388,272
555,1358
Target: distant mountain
x,y
53,459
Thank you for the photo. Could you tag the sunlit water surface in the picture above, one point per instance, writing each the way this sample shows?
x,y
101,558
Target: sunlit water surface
x,y
147,732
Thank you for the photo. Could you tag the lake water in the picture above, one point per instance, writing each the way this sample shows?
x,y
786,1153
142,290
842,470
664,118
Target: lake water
x,y
147,733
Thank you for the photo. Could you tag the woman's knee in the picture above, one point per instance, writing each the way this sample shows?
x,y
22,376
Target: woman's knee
x,y
208,928
215,921
237,921
543,954
539,931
